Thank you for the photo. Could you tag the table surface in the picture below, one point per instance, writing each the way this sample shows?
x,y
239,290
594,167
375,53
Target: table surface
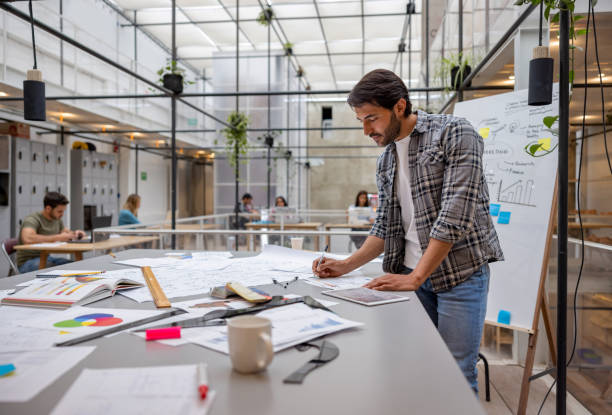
x,y
305,225
396,363
348,225
102,245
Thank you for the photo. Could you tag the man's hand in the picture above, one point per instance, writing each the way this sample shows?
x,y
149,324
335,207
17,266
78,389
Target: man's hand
x,y
396,282
65,237
79,234
329,268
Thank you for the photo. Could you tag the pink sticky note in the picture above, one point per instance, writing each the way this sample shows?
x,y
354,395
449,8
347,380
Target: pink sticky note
x,y
165,333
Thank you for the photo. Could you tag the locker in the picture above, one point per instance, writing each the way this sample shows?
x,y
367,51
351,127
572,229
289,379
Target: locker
x,y
111,167
23,192
38,190
86,166
50,184
62,184
103,191
22,213
50,161
61,166
22,155
95,191
37,153
95,165
112,193
86,192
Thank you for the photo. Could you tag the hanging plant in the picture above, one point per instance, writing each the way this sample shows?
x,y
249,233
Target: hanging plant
x,y
265,17
236,143
172,77
288,47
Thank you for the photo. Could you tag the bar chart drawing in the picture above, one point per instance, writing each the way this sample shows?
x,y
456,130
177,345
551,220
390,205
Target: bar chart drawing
x,y
519,192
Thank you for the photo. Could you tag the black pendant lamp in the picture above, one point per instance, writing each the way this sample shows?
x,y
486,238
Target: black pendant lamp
x,y
540,74
34,102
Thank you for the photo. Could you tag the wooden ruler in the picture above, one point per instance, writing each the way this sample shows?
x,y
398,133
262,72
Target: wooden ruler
x,y
160,299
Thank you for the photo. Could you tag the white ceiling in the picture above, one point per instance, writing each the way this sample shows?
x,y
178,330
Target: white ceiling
x,y
305,31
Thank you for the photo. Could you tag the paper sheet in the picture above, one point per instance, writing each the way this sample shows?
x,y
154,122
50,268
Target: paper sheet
x,y
80,321
291,325
144,390
339,283
48,244
35,370
4,293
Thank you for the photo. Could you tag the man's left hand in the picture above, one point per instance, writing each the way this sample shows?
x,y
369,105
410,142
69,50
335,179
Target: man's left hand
x,y
80,234
396,282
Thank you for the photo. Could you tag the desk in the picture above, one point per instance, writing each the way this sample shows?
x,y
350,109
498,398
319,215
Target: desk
x,y
306,226
396,363
328,226
78,249
200,241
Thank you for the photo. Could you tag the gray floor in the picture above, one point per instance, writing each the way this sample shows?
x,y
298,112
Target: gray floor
x,y
505,391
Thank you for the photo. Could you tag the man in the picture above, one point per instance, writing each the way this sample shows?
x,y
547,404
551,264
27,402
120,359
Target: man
x,y
45,226
433,221
247,204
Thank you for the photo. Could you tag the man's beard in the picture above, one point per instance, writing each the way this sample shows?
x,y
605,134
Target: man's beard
x,y
392,131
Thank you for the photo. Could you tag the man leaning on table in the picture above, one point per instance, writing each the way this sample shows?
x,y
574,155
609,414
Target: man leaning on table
x,y
433,221
45,227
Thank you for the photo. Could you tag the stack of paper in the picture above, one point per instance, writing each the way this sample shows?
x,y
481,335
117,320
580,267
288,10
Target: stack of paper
x,y
144,390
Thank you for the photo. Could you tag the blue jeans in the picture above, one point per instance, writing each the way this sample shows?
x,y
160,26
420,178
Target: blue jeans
x,y
459,315
33,264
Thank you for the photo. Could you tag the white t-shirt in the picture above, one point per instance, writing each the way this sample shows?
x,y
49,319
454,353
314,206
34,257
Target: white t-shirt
x,y
412,249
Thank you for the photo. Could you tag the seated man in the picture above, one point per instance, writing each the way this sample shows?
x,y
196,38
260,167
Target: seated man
x,y
45,226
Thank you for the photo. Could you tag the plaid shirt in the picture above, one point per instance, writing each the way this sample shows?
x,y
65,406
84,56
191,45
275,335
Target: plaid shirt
x,y
450,195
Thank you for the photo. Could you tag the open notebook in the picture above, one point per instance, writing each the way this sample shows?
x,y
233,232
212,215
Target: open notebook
x,y
63,292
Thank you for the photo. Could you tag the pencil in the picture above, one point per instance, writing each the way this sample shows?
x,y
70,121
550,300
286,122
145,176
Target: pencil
x,y
82,273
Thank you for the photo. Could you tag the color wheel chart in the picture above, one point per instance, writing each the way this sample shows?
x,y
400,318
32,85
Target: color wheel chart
x,y
96,320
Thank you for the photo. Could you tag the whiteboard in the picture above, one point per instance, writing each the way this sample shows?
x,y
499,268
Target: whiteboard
x,y
521,187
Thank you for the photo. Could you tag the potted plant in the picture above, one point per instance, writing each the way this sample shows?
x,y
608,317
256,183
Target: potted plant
x,y
458,67
265,17
172,77
288,47
236,143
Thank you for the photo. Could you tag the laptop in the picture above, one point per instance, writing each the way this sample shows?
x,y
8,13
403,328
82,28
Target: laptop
x,y
96,222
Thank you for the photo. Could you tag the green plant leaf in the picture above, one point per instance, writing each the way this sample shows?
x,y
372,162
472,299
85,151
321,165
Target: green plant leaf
x,y
534,148
571,76
550,120
581,32
547,12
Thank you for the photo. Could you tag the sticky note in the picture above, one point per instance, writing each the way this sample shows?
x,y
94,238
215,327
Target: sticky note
x,y
544,143
164,333
503,218
484,132
6,369
503,317
494,209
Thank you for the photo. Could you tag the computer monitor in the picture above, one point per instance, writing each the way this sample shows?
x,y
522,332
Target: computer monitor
x,y
288,214
101,221
360,215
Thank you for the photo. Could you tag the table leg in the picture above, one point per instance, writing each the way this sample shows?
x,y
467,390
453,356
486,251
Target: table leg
x,y
316,243
43,260
78,256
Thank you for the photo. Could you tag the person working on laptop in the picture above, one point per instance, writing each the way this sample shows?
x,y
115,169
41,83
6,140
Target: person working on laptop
x,y
129,214
433,222
45,227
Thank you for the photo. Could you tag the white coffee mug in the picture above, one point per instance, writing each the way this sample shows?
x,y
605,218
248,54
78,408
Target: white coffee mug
x,y
250,343
297,243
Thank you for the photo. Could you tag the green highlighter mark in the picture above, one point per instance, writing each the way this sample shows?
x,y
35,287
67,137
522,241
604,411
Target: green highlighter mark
x,y
68,323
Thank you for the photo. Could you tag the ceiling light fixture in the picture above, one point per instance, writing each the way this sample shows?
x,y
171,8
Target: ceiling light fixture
x,y
34,102
540,73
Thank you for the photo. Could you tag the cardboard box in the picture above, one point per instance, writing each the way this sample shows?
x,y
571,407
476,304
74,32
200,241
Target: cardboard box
x,y
16,129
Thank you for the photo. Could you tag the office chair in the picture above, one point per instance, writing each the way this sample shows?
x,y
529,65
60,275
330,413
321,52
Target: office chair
x,y
8,247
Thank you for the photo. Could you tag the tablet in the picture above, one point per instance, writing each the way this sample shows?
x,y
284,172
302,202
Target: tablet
x,y
366,296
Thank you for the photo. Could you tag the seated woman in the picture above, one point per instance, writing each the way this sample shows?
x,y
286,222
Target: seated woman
x,y
361,201
129,214
280,202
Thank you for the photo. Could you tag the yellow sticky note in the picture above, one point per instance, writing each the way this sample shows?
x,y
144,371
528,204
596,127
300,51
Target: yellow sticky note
x,y
545,143
484,132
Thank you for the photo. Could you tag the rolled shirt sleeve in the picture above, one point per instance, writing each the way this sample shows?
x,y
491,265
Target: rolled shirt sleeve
x,y
462,178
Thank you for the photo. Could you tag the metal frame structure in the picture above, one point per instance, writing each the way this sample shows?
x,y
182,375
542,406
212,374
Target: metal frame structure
x,y
276,27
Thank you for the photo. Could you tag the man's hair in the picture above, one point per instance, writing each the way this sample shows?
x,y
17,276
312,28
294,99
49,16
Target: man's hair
x,y
380,87
54,199
247,196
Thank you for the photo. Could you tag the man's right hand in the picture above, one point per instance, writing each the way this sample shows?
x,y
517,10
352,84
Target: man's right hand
x,y
329,268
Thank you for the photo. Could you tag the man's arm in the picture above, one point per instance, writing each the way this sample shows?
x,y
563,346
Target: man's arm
x,y
371,248
432,257
29,236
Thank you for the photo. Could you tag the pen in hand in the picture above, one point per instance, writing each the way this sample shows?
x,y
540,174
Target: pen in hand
x,y
322,256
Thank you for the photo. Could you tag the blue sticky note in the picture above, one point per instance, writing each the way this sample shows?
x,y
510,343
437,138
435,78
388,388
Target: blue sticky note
x,y
504,218
494,209
503,317
6,369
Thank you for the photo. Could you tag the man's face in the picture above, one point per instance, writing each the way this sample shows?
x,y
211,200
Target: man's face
x,y
56,212
247,200
379,123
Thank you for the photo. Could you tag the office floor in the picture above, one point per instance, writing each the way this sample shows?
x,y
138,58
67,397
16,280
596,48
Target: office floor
x,y
505,391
